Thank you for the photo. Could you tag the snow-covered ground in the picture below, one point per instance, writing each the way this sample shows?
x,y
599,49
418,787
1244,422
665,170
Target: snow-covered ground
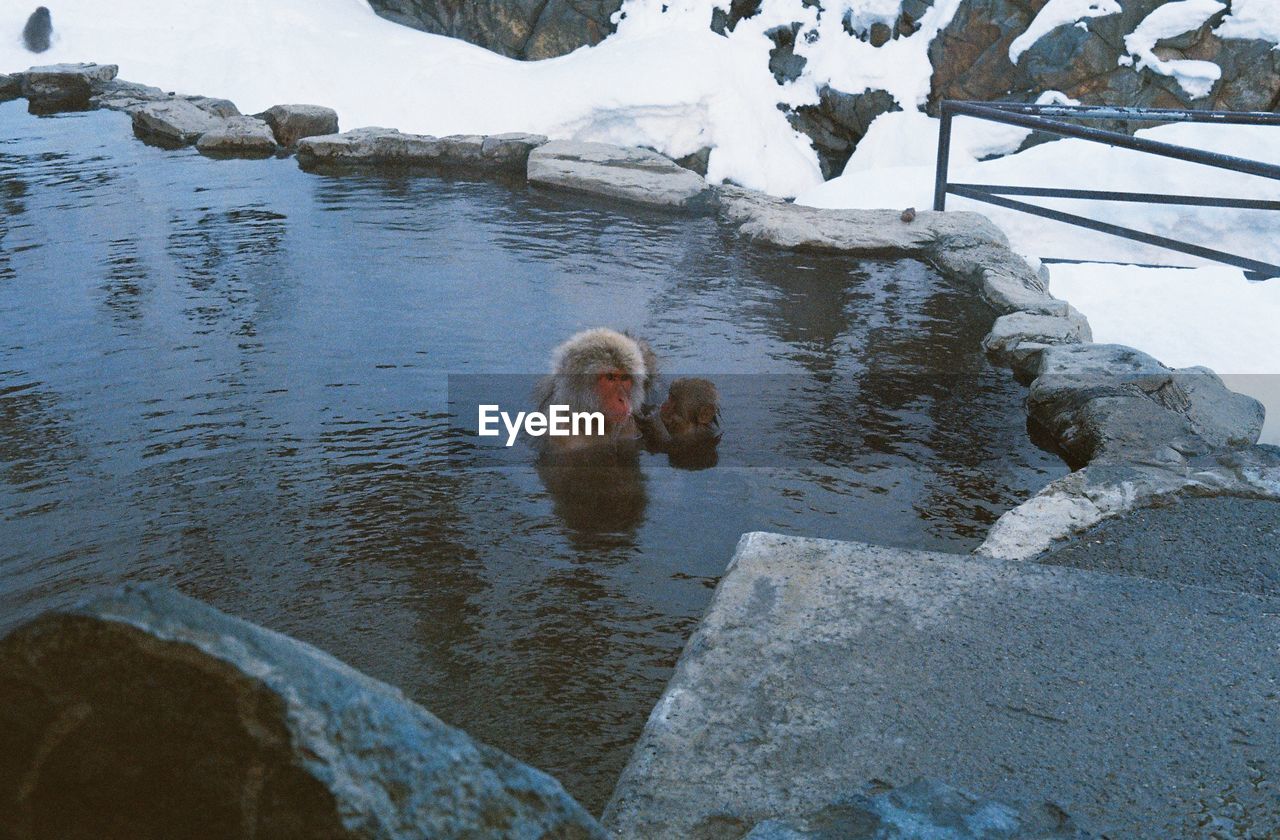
x,y
666,81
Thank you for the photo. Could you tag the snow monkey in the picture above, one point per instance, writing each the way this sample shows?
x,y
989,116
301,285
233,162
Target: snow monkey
x,y
690,417
35,35
599,370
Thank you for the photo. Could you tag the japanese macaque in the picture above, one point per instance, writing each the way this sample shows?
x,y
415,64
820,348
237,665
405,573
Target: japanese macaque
x,y
599,370
688,420
39,28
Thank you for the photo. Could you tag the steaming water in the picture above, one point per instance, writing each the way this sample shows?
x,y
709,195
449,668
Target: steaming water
x,y
231,376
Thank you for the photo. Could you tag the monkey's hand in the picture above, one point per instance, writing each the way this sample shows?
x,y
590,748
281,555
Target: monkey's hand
x,y
656,436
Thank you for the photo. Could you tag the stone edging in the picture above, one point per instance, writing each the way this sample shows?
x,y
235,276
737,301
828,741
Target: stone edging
x,y
1137,430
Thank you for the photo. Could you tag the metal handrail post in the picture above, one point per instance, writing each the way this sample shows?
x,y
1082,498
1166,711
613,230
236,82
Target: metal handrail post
x,y
944,153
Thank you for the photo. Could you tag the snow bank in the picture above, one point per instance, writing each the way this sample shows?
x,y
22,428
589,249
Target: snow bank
x,y
676,89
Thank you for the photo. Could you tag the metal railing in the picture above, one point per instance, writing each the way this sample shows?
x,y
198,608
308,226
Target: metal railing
x,y
1040,118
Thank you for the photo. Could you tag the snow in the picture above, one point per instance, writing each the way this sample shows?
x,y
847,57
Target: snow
x,y
1058,13
1252,19
1168,21
676,89
1209,316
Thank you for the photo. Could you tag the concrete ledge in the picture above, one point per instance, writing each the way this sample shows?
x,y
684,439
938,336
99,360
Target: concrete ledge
x,y
1143,709
374,146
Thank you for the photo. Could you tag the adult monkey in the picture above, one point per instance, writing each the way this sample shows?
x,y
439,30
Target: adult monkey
x,y
599,370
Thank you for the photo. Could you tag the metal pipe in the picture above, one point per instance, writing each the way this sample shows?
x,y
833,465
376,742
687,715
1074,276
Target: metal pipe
x,y
1107,195
944,153
1111,138
1260,268
1111,112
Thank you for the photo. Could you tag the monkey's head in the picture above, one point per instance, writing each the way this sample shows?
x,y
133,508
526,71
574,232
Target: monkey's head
x,y
603,370
692,405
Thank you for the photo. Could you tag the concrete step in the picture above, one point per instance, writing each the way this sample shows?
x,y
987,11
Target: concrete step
x,y
1142,708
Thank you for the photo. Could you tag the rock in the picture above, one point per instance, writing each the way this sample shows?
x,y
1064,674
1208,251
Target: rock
x,y
291,123
1007,293
1076,502
970,58
784,64
880,34
838,122
173,123
626,173
528,29
1113,402
1005,343
820,665
212,105
64,86
871,233
118,95
238,137
926,808
35,35
388,147
10,86
696,161
149,714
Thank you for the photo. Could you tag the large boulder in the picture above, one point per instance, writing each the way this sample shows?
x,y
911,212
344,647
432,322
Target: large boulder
x,y
1111,402
530,29
238,137
173,123
971,60
291,123
374,146
64,86
838,122
628,173
149,714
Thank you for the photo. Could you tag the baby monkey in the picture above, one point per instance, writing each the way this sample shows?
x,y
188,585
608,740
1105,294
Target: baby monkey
x,y
689,419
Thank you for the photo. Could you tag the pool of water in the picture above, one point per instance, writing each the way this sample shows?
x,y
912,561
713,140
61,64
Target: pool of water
x,y
234,376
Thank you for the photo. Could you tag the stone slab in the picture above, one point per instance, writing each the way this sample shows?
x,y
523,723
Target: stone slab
x,y
629,174
373,146
173,123
1141,708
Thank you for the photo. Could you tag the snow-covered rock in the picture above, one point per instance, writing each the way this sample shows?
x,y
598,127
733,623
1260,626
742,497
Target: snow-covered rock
x,y
373,146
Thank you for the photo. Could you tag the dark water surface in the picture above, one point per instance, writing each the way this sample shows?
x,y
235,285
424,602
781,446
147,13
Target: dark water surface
x,y
231,375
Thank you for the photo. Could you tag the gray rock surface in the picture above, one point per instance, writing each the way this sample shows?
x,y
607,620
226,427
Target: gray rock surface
x,y
529,29
119,95
869,233
1111,401
1225,543
64,85
173,123
1143,709
838,122
10,86
388,147
238,137
148,714
1015,337
970,59
626,173
1007,292
926,809
1104,490
213,105
291,123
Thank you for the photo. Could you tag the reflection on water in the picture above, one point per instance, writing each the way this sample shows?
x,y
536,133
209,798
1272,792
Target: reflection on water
x,y
233,376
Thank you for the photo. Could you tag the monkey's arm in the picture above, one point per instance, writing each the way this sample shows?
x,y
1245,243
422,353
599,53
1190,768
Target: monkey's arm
x,y
656,436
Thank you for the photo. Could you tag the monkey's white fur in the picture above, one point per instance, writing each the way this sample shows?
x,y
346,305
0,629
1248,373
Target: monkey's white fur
x,y
578,361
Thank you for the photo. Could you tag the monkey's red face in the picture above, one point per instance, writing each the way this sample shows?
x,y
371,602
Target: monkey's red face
x,y
613,391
